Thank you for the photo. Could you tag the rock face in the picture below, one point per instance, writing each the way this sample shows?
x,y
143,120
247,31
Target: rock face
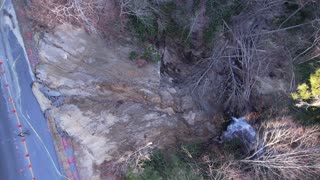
x,y
106,103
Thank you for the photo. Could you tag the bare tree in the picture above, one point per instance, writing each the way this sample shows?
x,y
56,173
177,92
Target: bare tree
x,y
285,150
241,62
245,63
141,9
86,13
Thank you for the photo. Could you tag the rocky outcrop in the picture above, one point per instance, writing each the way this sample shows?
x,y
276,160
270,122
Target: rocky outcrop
x,y
106,103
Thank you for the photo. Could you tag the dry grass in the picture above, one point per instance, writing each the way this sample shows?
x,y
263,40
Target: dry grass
x,y
285,150
131,160
229,170
134,160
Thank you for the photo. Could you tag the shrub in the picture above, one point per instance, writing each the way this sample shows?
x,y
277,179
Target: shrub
x,y
308,94
193,150
234,147
311,90
303,92
133,55
307,116
315,83
142,30
161,167
151,54
283,150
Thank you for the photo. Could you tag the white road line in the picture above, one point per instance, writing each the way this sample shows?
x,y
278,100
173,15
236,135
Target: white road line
x,y
2,4
17,34
18,98
15,61
27,114
15,80
45,147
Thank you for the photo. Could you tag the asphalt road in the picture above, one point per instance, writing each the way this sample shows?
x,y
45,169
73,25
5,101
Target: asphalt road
x,y
14,163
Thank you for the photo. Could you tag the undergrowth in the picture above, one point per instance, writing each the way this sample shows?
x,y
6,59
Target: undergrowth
x,y
306,115
173,21
304,70
296,13
142,30
164,165
219,11
191,161
149,53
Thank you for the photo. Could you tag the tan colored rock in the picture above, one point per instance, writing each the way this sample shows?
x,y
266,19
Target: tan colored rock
x,y
166,99
190,117
44,102
111,106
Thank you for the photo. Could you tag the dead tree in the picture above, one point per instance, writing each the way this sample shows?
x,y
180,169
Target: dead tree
x,y
245,63
230,75
86,13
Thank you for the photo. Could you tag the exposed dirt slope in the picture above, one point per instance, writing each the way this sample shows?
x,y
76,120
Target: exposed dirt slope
x,y
105,102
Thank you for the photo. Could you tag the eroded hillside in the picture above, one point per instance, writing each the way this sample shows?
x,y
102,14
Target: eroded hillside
x,y
156,74
109,105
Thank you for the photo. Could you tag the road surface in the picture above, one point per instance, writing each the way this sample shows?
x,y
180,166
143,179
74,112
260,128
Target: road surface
x,y
32,156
